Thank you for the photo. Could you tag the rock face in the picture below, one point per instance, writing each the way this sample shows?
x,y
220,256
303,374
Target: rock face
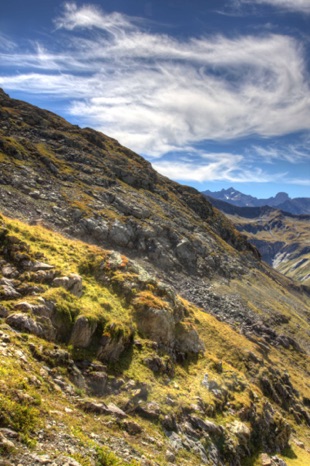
x,y
82,332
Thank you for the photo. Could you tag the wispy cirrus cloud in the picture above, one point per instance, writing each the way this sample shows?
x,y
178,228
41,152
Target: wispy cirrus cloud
x,y
302,6
6,44
292,153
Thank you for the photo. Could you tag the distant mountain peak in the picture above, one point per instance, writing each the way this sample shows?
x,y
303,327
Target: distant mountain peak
x,y
282,201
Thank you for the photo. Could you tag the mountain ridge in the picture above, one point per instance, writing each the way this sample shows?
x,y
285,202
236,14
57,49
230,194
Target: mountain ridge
x,y
281,201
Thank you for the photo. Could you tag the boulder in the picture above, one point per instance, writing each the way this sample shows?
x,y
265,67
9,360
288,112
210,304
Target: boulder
x,y
72,283
120,233
7,289
149,411
82,332
187,339
97,383
157,325
102,408
41,327
206,426
112,346
3,311
133,428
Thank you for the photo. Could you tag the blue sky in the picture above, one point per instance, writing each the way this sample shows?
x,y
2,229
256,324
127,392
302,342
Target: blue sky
x,y
214,93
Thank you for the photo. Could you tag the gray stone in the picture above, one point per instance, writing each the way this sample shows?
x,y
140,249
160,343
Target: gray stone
x,y
3,311
72,283
82,332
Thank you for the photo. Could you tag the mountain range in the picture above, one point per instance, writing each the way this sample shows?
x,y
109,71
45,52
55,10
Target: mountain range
x,y
281,201
137,325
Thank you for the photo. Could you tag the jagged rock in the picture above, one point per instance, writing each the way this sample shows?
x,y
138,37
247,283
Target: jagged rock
x,y
160,365
97,383
7,289
23,306
41,266
112,346
42,328
175,440
3,311
149,411
169,423
206,425
82,332
76,377
133,428
270,429
72,283
116,411
187,339
102,408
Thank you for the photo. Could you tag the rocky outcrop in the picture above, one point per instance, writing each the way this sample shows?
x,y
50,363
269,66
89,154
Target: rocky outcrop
x,y
71,283
82,332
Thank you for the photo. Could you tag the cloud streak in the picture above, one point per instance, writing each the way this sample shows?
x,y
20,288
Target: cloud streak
x,y
301,6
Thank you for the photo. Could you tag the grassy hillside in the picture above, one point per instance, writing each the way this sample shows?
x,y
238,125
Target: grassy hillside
x,y
117,369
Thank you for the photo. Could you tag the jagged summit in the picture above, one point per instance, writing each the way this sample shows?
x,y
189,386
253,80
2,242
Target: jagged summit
x,y
282,201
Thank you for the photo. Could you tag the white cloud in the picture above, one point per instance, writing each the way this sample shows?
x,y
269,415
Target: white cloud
x,y
302,6
158,94
89,16
219,167
292,153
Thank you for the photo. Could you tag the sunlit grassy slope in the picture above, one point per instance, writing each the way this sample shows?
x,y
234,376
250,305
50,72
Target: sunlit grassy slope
x,y
31,402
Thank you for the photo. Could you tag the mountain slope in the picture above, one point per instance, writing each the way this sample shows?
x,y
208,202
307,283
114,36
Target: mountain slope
x,y
168,338
86,380
88,185
297,206
282,238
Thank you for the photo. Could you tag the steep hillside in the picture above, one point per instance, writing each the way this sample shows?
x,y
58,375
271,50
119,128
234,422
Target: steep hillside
x,y
102,364
91,187
138,326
